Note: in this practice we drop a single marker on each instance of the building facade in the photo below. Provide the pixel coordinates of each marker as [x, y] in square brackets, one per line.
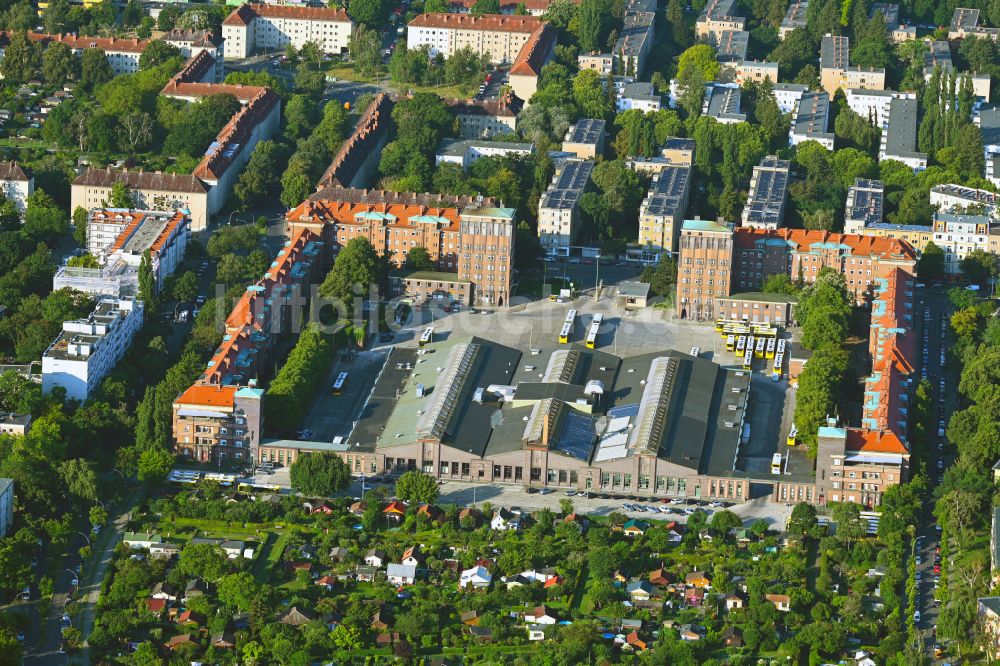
[88, 349]
[661, 214]
[704, 268]
[470, 236]
[16, 184]
[270, 27]
[559, 205]
[835, 70]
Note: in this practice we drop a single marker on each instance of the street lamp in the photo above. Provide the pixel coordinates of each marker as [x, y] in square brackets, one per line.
[85, 537]
[74, 578]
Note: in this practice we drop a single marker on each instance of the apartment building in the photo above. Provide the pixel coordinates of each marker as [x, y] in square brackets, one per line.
[899, 135]
[16, 184]
[951, 198]
[732, 46]
[811, 120]
[678, 150]
[988, 121]
[857, 465]
[959, 235]
[219, 417]
[717, 17]
[757, 71]
[795, 18]
[356, 161]
[640, 95]
[466, 152]
[559, 205]
[865, 205]
[486, 118]
[12, 423]
[801, 254]
[603, 63]
[635, 41]
[787, 95]
[149, 190]
[723, 102]
[873, 105]
[88, 349]
[193, 42]
[122, 236]
[497, 36]
[704, 267]
[272, 27]
[471, 237]
[835, 70]
[661, 214]
[765, 207]
[538, 51]
[585, 139]
[965, 23]
[532, 7]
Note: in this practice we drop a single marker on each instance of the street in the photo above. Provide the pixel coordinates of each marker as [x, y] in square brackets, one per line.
[935, 331]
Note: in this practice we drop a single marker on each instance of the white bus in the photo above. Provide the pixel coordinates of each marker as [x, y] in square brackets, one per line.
[776, 463]
[340, 383]
[695, 351]
[427, 336]
[595, 323]
[567, 328]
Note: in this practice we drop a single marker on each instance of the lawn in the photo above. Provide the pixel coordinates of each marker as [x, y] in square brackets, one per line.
[269, 555]
[345, 71]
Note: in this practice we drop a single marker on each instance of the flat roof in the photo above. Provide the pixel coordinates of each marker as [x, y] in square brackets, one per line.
[733, 45]
[724, 102]
[385, 396]
[634, 289]
[768, 189]
[901, 128]
[938, 54]
[568, 186]
[989, 124]
[834, 52]
[865, 201]
[585, 130]
[706, 225]
[428, 276]
[667, 192]
[459, 147]
[812, 115]
[963, 18]
[640, 90]
[889, 11]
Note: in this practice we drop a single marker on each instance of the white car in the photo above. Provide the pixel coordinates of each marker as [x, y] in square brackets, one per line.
[916, 616]
[689, 511]
[715, 503]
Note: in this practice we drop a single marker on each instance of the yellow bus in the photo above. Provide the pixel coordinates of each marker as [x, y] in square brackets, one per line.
[765, 330]
[595, 324]
[731, 343]
[770, 347]
[720, 324]
[567, 328]
[427, 336]
[776, 463]
[779, 360]
[741, 344]
[758, 350]
[792, 435]
[748, 359]
[340, 383]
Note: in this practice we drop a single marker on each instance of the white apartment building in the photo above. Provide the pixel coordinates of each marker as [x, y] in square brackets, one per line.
[498, 36]
[15, 184]
[899, 135]
[988, 121]
[811, 120]
[640, 95]
[558, 207]
[122, 236]
[12, 423]
[951, 198]
[787, 95]
[88, 349]
[874, 104]
[466, 152]
[272, 27]
[959, 235]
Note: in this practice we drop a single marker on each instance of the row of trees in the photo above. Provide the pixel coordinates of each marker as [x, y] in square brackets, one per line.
[823, 310]
[465, 67]
[302, 375]
[311, 157]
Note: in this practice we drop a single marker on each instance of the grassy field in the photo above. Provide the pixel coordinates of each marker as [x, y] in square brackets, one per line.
[345, 71]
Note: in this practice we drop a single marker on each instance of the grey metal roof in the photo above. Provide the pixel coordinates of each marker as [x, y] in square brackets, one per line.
[901, 128]
[724, 102]
[834, 51]
[733, 45]
[963, 18]
[639, 90]
[938, 54]
[795, 17]
[385, 395]
[989, 124]
[812, 116]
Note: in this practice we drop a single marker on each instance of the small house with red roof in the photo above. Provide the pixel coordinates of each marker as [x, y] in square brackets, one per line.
[395, 511]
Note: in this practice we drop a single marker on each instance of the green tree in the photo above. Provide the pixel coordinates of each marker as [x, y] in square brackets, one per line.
[803, 522]
[80, 478]
[701, 58]
[370, 13]
[147, 280]
[414, 486]
[365, 47]
[419, 259]
[723, 521]
[930, 265]
[237, 591]
[157, 53]
[357, 267]
[486, 7]
[319, 474]
[203, 560]
[21, 59]
[94, 69]
[978, 266]
[779, 283]
[59, 64]
[593, 24]
[662, 278]
[186, 287]
[120, 196]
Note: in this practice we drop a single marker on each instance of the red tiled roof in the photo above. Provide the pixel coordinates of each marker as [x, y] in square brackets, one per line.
[395, 506]
[245, 14]
[233, 138]
[746, 237]
[491, 22]
[207, 396]
[874, 441]
[535, 53]
[374, 123]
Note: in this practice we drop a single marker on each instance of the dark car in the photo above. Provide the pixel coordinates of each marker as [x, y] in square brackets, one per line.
[531, 491]
[385, 336]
